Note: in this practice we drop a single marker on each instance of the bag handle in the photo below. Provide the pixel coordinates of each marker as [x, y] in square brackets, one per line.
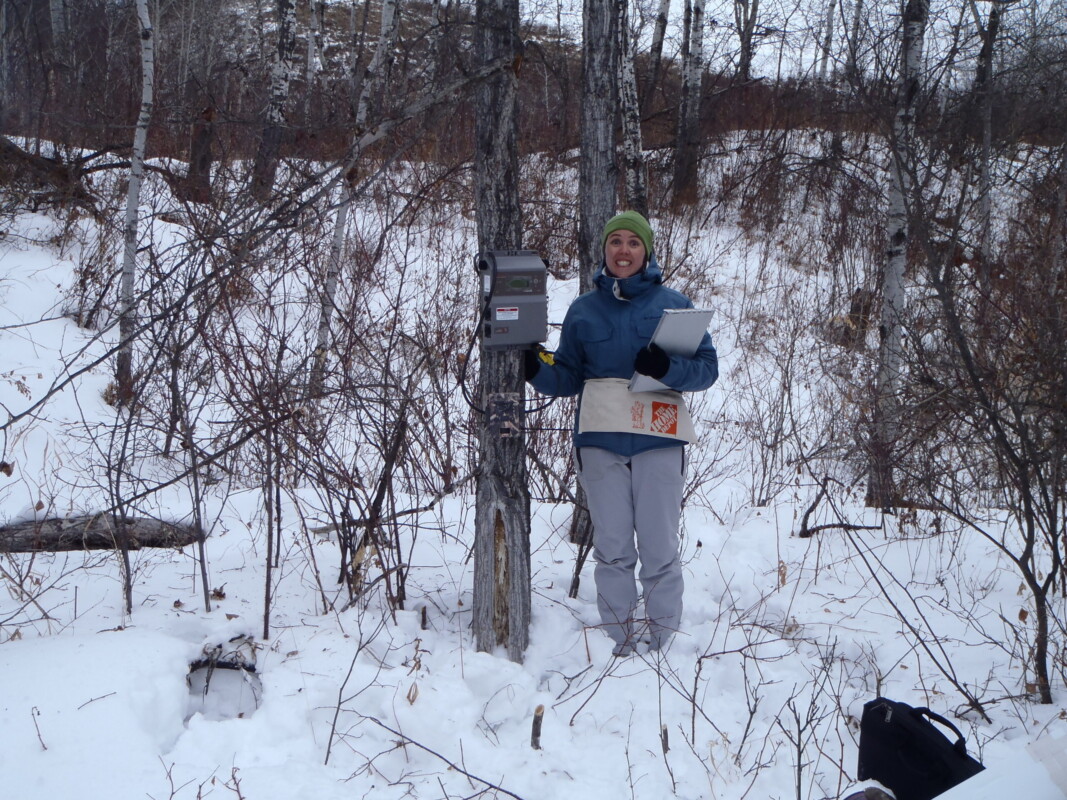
[960, 744]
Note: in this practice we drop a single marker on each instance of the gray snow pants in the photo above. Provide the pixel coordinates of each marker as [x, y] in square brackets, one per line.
[641, 494]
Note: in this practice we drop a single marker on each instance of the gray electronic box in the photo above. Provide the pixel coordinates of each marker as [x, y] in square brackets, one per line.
[514, 284]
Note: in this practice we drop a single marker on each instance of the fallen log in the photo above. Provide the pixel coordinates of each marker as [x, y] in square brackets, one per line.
[66, 179]
[93, 533]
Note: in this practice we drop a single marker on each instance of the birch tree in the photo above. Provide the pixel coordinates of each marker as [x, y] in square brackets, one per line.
[687, 142]
[266, 164]
[983, 94]
[597, 170]
[370, 87]
[317, 13]
[502, 519]
[633, 161]
[827, 40]
[57, 12]
[127, 307]
[881, 491]
[852, 57]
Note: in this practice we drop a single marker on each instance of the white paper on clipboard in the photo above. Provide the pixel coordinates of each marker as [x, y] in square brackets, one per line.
[679, 333]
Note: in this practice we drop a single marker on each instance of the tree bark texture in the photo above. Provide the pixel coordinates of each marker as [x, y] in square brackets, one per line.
[127, 307]
[597, 170]
[746, 12]
[881, 491]
[659, 32]
[93, 533]
[196, 188]
[851, 71]
[983, 93]
[686, 178]
[316, 12]
[633, 160]
[502, 519]
[57, 10]
[827, 40]
[266, 164]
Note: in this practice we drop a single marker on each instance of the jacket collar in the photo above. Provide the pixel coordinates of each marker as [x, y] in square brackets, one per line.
[626, 289]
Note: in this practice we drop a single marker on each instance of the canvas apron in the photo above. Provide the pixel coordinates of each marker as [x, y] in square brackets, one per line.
[608, 406]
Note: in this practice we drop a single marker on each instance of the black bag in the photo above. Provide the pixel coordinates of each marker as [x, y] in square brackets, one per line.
[902, 750]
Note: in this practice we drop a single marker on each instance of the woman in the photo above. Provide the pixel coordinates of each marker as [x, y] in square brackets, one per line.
[629, 447]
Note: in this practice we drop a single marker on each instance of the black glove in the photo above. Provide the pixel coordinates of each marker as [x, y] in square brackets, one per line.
[532, 360]
[530, 364]
[652, 361]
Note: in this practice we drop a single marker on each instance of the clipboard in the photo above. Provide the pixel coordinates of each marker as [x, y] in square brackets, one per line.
[679, 333]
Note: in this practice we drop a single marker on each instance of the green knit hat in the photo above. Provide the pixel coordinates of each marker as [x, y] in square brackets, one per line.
[633, 222]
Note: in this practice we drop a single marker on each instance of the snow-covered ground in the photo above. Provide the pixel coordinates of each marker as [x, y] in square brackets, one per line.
[783, 639]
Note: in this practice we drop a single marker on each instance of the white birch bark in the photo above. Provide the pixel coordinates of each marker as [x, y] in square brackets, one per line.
[317, 12]
[854, 42]
[370, 87]
[827, 40]
[57, 11]
[127, 307]
[378, 67]
[687, 144]
[633, 160]
[501, 613]
[880, 490]
[597, 170]
[282, 71]
[983, 92]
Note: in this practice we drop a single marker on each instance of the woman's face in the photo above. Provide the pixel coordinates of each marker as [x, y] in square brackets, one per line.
[624, 253]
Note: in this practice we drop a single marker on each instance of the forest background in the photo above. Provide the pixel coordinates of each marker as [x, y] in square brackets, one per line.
[262, 220]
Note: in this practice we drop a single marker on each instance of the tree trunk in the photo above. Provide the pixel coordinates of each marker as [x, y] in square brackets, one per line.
[57, 10]
[317, 12]
[851, 72]
[633, 159]
[1056, 237]
[827, 40]
[127, 308]
[881, 489]
[983, 93]
[266, 163]
[597, 171]
[196, 188]
[93, 533]
[655, 54]
[746, 12]
[370, 87]
[687, 144]
[502, 519]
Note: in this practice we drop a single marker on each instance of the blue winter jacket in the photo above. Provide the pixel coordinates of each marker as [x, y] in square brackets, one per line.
[602, 332]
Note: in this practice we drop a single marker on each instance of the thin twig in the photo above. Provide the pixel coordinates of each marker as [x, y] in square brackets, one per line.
[408, 740]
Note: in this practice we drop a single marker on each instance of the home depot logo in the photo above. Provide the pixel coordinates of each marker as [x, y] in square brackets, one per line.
[665, 418]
